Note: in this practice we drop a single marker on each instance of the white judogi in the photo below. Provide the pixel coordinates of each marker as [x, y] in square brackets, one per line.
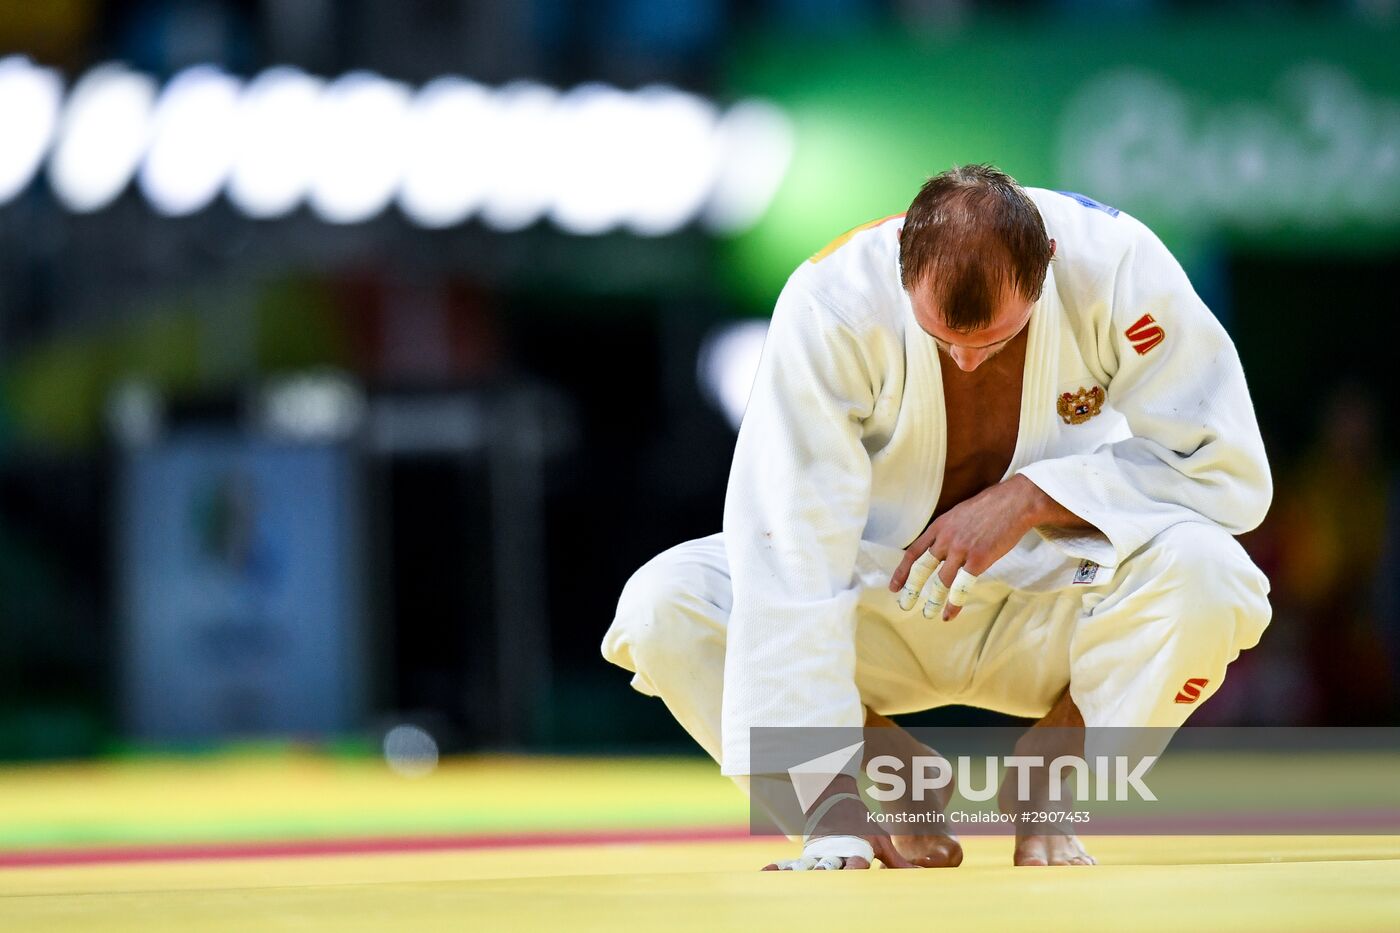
[839, 466]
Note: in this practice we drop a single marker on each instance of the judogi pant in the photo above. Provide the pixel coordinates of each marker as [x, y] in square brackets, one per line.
[1145, 649]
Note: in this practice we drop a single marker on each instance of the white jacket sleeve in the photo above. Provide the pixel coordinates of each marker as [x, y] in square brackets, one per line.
[1196, 454]
[798, 497]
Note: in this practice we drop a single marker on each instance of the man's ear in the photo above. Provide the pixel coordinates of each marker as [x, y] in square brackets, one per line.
[1052, 248]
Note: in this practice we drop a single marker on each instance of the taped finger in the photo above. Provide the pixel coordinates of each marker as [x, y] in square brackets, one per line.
[937, 595]
[923, 568]
[798, 864]
[962, 586]
[839, 847]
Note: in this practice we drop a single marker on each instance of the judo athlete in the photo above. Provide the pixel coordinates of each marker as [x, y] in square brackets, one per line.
[994, 455]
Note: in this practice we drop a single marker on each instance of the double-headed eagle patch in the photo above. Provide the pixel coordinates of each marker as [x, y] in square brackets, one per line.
[1079, 407]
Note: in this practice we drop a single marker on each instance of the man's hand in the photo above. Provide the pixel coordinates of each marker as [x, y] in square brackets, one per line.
[977, 533]
[883, 845]
[849, 813]
[846, 817]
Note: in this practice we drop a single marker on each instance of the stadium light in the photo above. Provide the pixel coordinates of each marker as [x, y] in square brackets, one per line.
[192, 141]
[593, 159]
[597, 129]
[756, 142]
[30, 97]
[524, 157]
[675, 160]
[358, 159]
[410, 751]
[727, 365]
[311, 407]
[273, 142]
[102, 137]
[452, 127]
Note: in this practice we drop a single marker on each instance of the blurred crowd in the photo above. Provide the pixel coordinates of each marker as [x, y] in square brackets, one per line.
[1331, 547]
[628, 41]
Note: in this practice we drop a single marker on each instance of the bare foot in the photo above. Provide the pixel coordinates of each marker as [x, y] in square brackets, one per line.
[1060, 732]
[1052, 849]
[930, 851]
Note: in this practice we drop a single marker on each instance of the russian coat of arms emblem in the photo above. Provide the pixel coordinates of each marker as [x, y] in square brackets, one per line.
[1079, 407]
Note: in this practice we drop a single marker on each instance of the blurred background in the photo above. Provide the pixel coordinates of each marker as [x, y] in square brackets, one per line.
[353, 354]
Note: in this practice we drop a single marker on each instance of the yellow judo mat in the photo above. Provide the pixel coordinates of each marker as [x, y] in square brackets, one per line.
[521, 844]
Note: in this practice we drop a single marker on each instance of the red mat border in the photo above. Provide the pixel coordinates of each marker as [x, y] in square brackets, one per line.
[181, 852]
[1363, 822]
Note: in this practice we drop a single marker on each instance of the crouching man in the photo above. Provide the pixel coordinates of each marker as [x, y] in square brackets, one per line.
[994, 455]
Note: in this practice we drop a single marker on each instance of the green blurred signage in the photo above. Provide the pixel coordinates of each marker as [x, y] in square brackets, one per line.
[1283, 135]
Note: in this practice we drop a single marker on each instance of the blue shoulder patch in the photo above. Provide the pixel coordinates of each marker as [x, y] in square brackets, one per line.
[1090, 202]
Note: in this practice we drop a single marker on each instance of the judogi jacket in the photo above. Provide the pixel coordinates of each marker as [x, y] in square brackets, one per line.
[1134, 415]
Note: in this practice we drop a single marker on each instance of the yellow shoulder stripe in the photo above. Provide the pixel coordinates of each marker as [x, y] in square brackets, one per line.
[841, 241]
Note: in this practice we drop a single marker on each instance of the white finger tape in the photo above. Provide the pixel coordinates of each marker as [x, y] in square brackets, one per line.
[962, 585]
[938, 592]
[923, 568]
[842, 847]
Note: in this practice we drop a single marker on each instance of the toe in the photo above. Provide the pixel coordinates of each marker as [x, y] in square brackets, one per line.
[855, 863]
